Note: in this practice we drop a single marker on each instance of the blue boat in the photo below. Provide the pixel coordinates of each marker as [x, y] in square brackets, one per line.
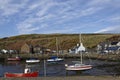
[54, 59]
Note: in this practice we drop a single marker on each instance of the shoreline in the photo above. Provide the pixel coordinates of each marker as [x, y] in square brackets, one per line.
[108, 57]
[67, 78]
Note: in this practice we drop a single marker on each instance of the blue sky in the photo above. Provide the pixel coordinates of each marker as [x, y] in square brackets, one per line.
[58, 16]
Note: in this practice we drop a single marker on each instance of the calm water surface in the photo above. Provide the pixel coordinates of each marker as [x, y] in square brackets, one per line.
[99, 68]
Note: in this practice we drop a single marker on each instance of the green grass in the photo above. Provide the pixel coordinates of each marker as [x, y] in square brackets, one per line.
[65, 41]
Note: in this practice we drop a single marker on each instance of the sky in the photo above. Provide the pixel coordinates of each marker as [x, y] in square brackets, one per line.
[19, 17]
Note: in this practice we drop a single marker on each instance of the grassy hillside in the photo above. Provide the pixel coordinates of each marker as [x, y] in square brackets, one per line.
[65, 41]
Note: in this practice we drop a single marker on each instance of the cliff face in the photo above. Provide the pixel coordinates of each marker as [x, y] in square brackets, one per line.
[65, 41]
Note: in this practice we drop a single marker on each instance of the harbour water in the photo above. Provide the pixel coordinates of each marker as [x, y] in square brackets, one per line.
[58, 69]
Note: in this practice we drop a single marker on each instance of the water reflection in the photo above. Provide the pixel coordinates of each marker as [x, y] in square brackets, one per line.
[12, 63]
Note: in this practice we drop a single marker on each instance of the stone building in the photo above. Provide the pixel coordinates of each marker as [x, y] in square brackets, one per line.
[26, 48]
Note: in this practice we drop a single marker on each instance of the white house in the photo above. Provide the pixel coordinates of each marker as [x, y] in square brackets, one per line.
[110, 47]
[4, 51]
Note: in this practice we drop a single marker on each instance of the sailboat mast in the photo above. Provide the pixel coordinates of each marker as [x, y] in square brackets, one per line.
[80, 51]
[44, 68]
[57, 46]
[80, 38]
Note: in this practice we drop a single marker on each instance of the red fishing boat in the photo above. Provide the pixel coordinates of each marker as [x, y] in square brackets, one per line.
[14, 58]
[30, 74]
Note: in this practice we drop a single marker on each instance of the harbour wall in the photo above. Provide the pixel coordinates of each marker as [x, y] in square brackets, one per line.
[109, 57]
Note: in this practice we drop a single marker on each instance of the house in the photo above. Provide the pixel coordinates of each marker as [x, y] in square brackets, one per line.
[26, 48]
[114, 44]
[47, 51]
[38, 49]
[4, 51]
[74, 49]
[77, 49]
[113, 47]
[110, 47]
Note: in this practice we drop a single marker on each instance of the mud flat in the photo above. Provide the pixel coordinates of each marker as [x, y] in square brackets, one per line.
[68, 78]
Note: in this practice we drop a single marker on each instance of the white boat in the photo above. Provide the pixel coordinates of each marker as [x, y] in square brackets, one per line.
[79, 66]
[32, 60]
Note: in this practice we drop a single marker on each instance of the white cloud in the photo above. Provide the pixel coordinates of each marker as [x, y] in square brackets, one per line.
[27, 28]
[114, 19]
[44, 8]
[113, 29]
[9, 8]
[33, 6]
[89, 11]
[104, 3]
[41, 14]
[99, 2]
[53, 13]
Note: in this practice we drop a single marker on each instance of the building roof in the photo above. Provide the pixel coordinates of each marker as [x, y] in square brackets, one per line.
[113, 48]
[114, 43]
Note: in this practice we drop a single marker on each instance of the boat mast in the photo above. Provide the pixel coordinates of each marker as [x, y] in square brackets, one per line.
[80, 51]
[57, 46]
[44, 68]
[80, 38]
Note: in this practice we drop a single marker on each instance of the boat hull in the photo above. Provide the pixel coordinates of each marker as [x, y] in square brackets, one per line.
[32, 61]
[78, 68]
[55, 60]
[31, 74]
[13, 59]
